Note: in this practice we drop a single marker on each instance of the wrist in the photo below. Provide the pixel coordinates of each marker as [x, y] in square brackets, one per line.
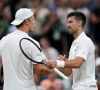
[60, 64]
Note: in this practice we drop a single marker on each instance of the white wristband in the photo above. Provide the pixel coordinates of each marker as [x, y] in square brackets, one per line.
[60, 63]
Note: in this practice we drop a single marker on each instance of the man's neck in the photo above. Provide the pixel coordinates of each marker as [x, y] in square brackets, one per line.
[23, 29]
[77, 33]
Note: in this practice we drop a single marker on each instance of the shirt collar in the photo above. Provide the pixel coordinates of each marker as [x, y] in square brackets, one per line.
[21, 32]
[79, 37]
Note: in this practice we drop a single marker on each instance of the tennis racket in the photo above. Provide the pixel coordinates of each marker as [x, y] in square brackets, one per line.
[39, 62]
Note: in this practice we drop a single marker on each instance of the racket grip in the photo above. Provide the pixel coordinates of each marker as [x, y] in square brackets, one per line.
[60, 74]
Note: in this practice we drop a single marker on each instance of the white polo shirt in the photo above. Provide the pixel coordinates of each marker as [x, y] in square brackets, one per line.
[18, 70]
[83, 47]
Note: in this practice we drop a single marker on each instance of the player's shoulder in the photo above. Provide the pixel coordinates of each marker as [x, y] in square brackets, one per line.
[4, 40]
[35, 41]
[8, 35]
[87, 40]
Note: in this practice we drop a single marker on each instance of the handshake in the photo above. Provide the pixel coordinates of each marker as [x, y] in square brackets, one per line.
[60, 62]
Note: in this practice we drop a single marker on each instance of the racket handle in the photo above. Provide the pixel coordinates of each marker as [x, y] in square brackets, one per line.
[60, 74]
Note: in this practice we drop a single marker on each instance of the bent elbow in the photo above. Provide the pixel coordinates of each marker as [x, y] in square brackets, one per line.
[68, 74]
[78, 65]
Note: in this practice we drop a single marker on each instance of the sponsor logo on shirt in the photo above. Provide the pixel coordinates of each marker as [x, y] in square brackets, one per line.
[93, 86]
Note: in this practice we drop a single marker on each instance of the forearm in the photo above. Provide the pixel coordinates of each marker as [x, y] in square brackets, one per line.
[66, 71]
[69, 63]
[72, 64]
[45, 71]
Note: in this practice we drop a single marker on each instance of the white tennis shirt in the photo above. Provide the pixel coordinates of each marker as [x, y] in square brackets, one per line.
[83, 47]
[18, 70]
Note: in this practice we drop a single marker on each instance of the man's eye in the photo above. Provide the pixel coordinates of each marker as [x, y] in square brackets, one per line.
[70, 21]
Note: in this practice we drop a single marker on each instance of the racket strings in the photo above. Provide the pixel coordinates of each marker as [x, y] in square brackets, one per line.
[27, 56]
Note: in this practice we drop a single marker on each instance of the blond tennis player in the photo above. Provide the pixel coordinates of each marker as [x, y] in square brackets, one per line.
[18, 70]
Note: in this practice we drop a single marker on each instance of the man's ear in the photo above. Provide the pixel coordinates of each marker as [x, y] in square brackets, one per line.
[80, 23]
[26, 21]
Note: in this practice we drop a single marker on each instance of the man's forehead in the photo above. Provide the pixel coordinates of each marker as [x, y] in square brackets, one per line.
[71, 18]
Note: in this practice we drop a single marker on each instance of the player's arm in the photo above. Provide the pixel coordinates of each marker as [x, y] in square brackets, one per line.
[66, 71]
[81, 56]
[69, 64]
[41, 70]
[74, 63]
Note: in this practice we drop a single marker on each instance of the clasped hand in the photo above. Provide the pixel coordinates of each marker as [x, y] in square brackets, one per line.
[53, 63]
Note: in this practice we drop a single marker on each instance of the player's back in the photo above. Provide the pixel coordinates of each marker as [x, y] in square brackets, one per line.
[17, 68]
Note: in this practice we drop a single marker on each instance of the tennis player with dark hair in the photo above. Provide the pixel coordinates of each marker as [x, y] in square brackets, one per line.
[81, 61]
[18, 69]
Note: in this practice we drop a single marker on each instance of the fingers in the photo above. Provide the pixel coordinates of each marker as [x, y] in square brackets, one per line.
[61, 57]
[50, 64]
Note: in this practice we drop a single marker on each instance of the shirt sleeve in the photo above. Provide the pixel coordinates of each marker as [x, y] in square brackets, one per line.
[83, 49]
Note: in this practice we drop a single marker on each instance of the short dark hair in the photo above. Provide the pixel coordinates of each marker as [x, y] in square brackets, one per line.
[78, 16]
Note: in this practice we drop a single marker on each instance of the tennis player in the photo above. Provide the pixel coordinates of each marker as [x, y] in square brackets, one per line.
[18, 70]
[81, 61]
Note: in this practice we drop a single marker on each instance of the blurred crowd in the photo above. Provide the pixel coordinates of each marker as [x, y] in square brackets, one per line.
[50, 30]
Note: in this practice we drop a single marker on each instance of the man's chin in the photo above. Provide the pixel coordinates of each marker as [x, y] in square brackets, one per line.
[31, 30]
[70, 33]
